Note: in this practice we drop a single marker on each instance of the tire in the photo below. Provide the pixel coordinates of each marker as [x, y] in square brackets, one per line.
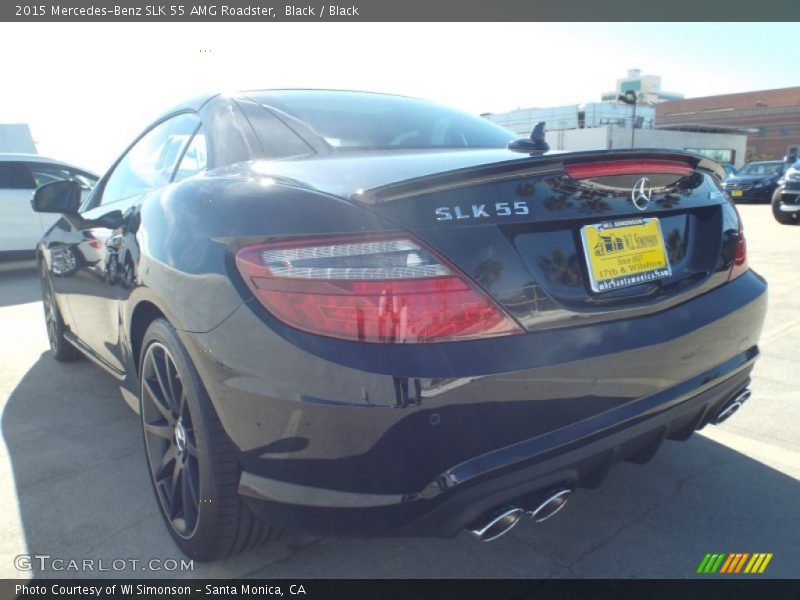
[780, 216]
[62, 350]
[200, 505]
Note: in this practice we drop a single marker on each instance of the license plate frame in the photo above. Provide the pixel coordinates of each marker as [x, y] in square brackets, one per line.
[624, 252]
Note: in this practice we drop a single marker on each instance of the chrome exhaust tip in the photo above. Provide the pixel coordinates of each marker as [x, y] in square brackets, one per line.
[550, 505]
[496, 525]
[730, 408]
[727, 411]
[743, 396]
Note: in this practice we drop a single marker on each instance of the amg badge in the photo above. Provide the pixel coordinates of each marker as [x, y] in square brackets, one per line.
[482, 211]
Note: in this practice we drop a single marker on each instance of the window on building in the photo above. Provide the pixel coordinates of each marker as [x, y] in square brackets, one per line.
[630, 86]
[784, 130]
[721, 155]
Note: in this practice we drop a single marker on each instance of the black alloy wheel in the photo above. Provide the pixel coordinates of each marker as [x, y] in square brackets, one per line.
[194, 466]
[61, 348]
[169, 440]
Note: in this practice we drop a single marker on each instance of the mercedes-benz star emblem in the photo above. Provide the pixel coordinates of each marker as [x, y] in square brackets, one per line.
[641, 193]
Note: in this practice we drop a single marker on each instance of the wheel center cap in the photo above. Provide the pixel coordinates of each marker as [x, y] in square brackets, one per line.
[180, 436]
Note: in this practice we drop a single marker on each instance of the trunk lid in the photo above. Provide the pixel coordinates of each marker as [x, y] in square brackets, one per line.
[540, 233]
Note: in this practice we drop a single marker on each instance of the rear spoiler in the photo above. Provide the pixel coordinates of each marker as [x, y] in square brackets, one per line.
[550, 162]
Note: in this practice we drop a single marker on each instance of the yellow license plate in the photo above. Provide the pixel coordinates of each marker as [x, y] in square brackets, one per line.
[736, 193]
[624, 252]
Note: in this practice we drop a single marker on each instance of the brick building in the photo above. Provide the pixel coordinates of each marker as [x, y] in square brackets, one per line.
[772, 118]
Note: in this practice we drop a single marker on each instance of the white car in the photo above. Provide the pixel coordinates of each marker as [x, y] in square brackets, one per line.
[20, 174]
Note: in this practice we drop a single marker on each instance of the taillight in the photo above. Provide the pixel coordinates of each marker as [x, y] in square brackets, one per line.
[740, 253]
[590, 170]
[386, 290]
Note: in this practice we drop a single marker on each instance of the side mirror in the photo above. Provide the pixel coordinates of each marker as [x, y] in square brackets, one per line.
[110, 220]
[58, 197]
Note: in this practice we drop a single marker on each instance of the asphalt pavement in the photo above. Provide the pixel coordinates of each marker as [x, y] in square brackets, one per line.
[74, 485]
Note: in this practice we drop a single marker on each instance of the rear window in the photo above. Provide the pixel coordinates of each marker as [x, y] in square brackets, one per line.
[277, 139]
[14, 176]
[363, 121]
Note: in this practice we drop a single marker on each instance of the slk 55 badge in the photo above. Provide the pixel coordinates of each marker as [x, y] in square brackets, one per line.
[482, 211]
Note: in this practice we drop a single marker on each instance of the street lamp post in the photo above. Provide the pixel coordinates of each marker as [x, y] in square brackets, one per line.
[629, 98]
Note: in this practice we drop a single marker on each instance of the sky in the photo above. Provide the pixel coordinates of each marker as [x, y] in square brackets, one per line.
[87, 89]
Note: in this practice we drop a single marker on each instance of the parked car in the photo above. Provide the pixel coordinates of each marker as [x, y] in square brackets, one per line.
[755, 181]
[353, 314]
[20, 174]
[786, 198]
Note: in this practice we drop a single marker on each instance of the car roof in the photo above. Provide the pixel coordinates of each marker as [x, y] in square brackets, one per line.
[195, 103]
[323, 90]
[21, 157]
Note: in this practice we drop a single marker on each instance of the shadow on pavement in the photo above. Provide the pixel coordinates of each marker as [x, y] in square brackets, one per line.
[83, 492]
[19, 287]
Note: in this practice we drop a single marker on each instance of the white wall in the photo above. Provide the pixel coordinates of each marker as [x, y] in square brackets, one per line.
[601, 138]
[680, 140]
[523, 120]
[595, 138]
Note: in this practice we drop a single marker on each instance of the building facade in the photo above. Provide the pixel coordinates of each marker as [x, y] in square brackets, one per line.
[771, 117]
[602, 126]
[647, 87]
[16, 137]
[722, 147]
[574, 116]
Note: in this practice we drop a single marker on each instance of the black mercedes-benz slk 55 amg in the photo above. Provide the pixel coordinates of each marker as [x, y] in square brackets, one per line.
[353, 314]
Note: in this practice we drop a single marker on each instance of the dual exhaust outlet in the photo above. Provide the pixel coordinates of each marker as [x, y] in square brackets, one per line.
[731, 406]
[495, 525]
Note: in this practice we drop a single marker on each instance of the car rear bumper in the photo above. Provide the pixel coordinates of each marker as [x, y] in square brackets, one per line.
[331, 445]
[519, 475]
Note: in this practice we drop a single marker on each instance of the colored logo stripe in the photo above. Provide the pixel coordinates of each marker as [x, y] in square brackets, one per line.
[703, 563]
[734, 563]
[740, 564]
[710, 563]
[727, 564]
[758, 563]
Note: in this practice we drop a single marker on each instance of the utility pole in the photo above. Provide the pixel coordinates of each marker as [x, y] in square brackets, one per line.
[629, 98]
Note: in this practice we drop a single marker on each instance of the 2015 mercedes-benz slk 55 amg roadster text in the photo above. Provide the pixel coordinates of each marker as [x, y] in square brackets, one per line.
[354, 314]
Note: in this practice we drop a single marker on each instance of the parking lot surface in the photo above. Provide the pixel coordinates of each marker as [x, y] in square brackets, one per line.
[74, 485]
